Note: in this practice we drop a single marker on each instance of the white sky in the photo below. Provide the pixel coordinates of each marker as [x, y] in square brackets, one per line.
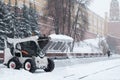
[100, 6]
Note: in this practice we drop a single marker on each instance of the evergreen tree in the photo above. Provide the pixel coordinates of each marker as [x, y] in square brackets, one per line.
[33, 19]
[4, 28]
[9, 21]
[25, 11]
[13, 25]
[25, 20]
[9, 3]
[16, 8]
[22, 25]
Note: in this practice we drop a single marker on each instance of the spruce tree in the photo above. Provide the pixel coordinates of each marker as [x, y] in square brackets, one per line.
[13, 25]
[33, 19]
[2, 28]
[25, 21]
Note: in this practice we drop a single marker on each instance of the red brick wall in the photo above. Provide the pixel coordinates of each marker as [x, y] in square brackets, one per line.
[114, 29]
[114, 34]
[46, 25]
[89, 35]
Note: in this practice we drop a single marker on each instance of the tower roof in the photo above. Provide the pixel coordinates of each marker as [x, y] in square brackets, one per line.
[114, 11]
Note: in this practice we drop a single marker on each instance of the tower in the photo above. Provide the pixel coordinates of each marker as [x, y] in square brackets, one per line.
[114, 10]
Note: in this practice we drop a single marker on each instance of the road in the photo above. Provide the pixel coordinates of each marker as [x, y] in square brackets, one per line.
[110, 73]
[73, 61]
[99, 68]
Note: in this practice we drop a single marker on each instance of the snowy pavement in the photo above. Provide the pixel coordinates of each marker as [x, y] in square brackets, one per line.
[102, 70]
[73, 61]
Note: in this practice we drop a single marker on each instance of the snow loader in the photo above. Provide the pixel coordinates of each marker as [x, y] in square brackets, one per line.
[27, 53]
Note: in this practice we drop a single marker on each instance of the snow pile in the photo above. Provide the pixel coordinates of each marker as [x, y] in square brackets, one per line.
[10, 74]
[87, 46]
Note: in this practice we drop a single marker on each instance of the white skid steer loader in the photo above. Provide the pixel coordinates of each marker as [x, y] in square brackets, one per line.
[27, 53]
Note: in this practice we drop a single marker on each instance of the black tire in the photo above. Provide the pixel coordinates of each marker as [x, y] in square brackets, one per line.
[50, 66]
[14, 63]
[30, 65]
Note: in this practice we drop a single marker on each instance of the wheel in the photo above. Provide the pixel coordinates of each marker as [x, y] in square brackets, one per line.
[30, 65]
[50, 66]
[14, 63]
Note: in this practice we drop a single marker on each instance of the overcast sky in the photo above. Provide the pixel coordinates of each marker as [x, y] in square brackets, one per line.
[101, 6]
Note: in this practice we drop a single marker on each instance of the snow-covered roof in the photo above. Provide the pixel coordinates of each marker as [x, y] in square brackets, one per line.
[32, 38]
[62, 38]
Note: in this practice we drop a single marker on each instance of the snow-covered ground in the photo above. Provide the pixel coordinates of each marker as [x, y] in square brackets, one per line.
[95, 68]
[102, 70]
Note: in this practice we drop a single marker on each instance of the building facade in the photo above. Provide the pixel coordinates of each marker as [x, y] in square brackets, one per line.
[96, 24]
[40, 4]
[114, 21]
[114, 26]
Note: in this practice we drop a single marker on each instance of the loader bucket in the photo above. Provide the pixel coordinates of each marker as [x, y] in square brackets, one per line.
[43, 41]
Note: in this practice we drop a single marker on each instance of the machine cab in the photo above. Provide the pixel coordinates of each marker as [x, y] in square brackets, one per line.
[27, 49]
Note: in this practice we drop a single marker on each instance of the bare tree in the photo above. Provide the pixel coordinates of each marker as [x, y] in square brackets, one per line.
[80, 22]
[61, 10]
[65, 20]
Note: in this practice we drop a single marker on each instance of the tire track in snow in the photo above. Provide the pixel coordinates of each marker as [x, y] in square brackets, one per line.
[69, 76]
[99, 72]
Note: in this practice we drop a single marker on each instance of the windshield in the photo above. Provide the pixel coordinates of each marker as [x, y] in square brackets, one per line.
[30, 47]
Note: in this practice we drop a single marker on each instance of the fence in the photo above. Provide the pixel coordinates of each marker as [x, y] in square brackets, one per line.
[65, 55]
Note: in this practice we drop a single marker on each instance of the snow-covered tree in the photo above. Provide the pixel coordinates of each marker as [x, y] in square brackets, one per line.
[26, 25]
[30, 20]
[16, 22]
[5, 19]
[33, 19]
